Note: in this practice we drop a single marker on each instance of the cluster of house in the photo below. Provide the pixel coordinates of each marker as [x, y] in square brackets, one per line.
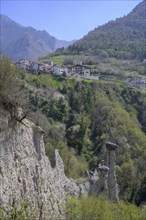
[137, 82]
[76, 69]
[34, 67]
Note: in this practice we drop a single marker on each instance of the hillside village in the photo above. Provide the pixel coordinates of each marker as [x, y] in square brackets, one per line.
[75, 70]
[73, 119]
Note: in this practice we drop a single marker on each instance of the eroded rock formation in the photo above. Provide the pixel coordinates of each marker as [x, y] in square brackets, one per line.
[26, 173]
[111, 180]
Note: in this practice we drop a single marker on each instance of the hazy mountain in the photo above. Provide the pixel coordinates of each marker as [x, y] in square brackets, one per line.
[19, 42]
[122, 38]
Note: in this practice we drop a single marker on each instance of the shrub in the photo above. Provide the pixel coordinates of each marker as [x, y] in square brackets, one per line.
[15, 213]
[94, 208]
[8, 77]
[12, 92]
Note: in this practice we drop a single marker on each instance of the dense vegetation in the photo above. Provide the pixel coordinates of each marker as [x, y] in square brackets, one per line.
[123, 38]
[77, 116]
[116, 49]
[84, 208]
[8, 75]
[12, 94]
[104, 67]
[101, 209]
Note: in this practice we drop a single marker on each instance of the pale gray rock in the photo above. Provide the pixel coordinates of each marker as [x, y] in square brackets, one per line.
[26, 174]
[25, 171]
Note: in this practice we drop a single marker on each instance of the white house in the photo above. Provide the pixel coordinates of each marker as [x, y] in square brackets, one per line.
[41, 67]
[59, 71]
[86, 72]
[34, 67]
[56, 70]
[23, 64]
[64, 70]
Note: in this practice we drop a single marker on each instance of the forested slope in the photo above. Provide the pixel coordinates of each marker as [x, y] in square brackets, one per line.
[123, 38]
[77, 116]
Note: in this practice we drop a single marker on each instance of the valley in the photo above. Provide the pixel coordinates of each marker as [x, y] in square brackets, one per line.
[73, 122]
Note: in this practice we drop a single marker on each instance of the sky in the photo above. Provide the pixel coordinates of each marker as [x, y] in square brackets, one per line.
[66, 20]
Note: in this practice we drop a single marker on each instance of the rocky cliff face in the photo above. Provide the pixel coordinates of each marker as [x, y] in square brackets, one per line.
[26, 173]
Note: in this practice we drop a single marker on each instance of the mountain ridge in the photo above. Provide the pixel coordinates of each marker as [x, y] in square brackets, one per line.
[121, 38]
[33, 43]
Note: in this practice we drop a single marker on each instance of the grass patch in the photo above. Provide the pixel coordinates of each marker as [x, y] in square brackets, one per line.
[59, 60]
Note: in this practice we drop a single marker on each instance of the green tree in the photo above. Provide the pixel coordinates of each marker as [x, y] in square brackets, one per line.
[8, 78]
